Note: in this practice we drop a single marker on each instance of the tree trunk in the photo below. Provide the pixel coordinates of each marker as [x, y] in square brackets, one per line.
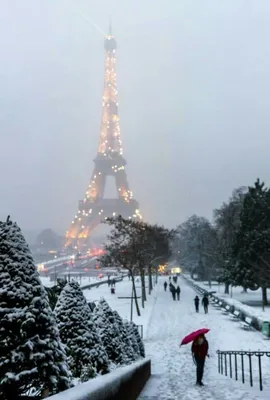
[143, 288]
[209, 277]
[227, 288]
[264, 297]
[150, 280]
[135, 296]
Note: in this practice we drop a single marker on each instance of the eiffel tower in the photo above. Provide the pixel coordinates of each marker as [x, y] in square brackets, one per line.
[109, 162]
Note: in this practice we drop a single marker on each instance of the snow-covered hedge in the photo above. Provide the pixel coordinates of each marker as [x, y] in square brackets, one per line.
[32, 355]
[123, 383]
[86, 355]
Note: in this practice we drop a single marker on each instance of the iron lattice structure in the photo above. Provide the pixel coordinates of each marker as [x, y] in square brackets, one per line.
[109, 162]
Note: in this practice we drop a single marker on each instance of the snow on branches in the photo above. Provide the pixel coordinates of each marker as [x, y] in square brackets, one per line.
[120, 338]
[86, 354]
[129, 355]
[108, 331]
[32, 356]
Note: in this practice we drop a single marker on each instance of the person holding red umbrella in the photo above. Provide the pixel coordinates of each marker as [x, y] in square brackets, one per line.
[199, 351]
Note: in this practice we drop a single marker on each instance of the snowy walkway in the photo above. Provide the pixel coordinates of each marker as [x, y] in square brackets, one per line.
[173, 371]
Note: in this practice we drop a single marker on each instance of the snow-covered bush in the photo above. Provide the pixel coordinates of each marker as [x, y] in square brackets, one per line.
[86, 354]
[108, 331]
[128, 352]
[31, 355]
[138, 339]
[132, 338]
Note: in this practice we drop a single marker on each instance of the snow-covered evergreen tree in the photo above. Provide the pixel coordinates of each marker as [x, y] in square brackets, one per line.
[227, 223]
[107, 328]
[138, 339]
[86, 353]
[132, 338]
[31, 355]
[197, 244]
[251, 247]
[129, 355]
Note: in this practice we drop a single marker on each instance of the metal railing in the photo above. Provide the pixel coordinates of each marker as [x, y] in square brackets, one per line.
[233, 363]
[256, 321]
[97, 284]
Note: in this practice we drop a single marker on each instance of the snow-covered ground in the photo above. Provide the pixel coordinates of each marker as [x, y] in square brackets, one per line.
[172, 367]
[123, 306]
[251, 300]
[165, 322]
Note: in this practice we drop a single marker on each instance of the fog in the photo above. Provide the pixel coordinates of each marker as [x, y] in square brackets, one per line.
[193, 81]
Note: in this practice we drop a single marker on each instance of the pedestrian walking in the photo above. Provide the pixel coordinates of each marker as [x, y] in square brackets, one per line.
[170, 278]
[205, 303]
[178, 291]
[109, 282]
[197, 302]
[199, 351]
[173, 291]
[165, 286]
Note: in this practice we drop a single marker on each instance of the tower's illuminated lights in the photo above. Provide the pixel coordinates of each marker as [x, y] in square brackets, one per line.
[110, 153]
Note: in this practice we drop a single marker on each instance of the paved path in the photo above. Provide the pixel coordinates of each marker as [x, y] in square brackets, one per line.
[173, 371]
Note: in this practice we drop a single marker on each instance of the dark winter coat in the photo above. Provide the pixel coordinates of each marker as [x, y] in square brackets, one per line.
[200, 351]
[205, 301]
[178, 290]
[196, 301]
[165, 284]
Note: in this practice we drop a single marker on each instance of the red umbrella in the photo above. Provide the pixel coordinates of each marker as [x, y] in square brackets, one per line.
[192, 336]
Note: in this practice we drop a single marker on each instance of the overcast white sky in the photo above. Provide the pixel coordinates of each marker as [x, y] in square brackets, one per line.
[193, 79]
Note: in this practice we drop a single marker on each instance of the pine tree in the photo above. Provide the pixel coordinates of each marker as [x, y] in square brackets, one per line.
[139, 339]
[129, 355]
[86, 354]
[32, 356]
[227, 223]
[132, 338]
[105, 321]
[251, 248]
